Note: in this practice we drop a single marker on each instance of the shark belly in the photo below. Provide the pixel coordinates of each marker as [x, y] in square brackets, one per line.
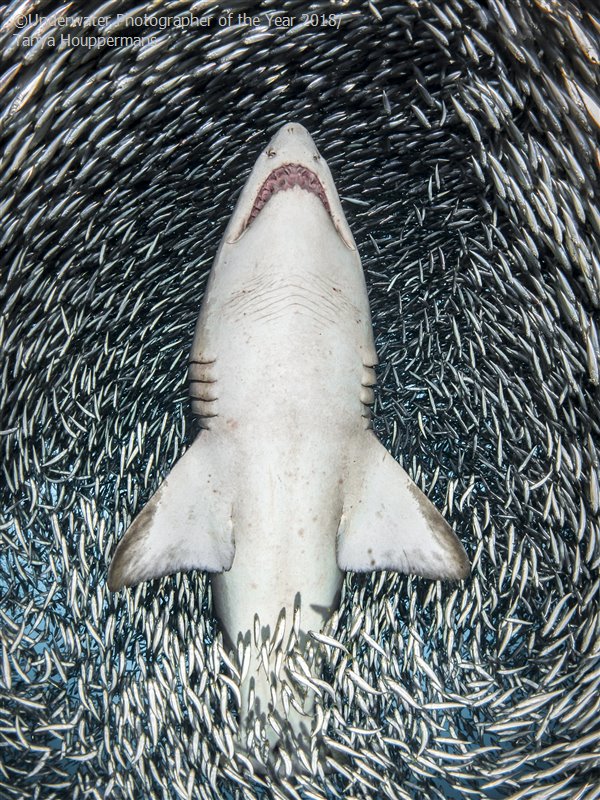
[285, 547]
[288, 389]
[288, 344]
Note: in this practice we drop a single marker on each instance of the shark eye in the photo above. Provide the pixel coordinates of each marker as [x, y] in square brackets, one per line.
[271, 153]
[316, 157]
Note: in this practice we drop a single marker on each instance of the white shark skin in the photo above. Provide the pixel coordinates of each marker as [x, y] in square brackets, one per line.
[287, 487]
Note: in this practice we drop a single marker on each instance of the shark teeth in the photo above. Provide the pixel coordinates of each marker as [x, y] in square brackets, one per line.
[284, 178]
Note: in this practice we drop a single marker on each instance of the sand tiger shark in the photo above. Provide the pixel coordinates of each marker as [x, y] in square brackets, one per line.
[287, 486]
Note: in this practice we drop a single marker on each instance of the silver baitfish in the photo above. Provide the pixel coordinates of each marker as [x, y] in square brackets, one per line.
[464, 140]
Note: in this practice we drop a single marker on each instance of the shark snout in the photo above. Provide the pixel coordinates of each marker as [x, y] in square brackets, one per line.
[293, 143]
[290, 160]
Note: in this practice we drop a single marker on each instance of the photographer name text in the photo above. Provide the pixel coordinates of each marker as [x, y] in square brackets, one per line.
[102, 31]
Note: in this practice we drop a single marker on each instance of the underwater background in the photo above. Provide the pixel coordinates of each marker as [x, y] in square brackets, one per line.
[463, 138]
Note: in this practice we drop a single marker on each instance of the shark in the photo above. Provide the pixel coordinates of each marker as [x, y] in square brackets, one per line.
[286, 487]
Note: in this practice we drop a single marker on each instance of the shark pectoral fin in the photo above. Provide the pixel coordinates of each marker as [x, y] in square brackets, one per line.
[185, 525]
[388, 523]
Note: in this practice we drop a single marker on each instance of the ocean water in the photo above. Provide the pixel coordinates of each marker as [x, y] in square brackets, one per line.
[462, 139]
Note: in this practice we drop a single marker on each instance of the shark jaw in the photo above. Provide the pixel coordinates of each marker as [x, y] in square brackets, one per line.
[290, 161]
[284, 178]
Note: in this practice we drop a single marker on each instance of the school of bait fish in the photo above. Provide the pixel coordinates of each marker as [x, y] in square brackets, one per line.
[463, 137]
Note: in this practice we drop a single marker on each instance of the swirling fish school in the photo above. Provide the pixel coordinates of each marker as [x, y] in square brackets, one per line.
[463, 136]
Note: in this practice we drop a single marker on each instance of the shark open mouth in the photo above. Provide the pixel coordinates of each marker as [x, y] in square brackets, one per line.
[286, 177]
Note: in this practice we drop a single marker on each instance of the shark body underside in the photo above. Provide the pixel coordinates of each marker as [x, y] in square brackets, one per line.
[287, 487]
